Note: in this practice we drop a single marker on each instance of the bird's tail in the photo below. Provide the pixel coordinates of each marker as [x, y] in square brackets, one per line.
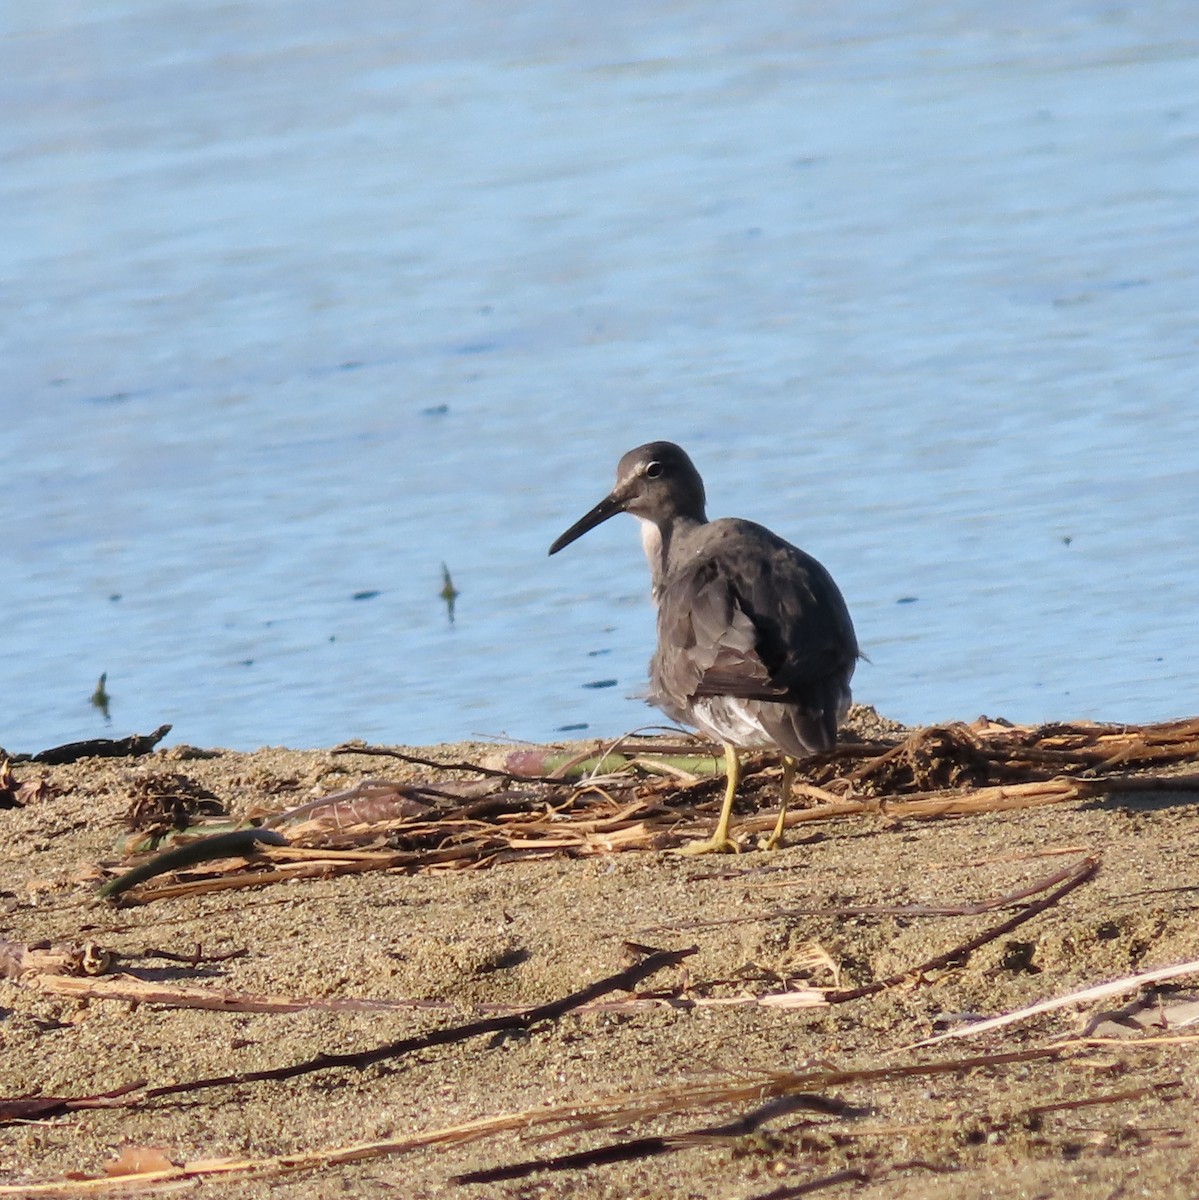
[809, 726]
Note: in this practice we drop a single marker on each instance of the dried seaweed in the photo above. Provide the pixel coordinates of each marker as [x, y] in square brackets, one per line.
[164, 800]
[989, 753]
[647, 801]
[17, 795]
[244, 843]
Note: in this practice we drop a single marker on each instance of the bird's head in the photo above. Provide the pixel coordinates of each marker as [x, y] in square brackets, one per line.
[656, 482]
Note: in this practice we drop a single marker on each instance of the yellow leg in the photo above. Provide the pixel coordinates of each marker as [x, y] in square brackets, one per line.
[720, 842]
[775, 839]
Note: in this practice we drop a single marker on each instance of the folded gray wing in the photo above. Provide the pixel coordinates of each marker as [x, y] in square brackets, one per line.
[758, 620]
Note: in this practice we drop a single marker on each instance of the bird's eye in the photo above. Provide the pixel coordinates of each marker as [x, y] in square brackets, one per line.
[653, 470]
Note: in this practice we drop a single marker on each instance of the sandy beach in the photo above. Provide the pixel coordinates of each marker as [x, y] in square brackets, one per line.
[737, 1026]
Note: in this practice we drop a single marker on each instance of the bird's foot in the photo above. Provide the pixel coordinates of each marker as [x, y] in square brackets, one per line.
[774, 839]
[717, 844]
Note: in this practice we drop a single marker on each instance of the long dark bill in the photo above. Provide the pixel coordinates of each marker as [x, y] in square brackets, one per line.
[609, 506]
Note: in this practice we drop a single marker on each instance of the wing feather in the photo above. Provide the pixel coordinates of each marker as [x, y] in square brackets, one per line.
[753, 617]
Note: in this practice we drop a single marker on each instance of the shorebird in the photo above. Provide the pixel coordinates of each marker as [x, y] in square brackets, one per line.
[755, 644]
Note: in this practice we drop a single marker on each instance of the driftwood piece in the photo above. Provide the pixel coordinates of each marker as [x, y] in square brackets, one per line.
[132, 746]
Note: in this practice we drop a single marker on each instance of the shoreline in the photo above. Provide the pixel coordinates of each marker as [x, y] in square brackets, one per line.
[843, 948]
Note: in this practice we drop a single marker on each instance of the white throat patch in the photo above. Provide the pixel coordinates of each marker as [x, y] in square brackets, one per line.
[651, 543]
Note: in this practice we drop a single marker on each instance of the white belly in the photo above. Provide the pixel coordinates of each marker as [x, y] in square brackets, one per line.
[728, 719]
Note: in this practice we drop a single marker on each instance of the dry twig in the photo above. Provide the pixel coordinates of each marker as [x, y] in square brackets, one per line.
[360, 1059]
[571, 1118]
[1102, 991]
[1074, 877]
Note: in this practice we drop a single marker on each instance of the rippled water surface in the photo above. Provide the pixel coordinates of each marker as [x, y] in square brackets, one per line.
[298, 302]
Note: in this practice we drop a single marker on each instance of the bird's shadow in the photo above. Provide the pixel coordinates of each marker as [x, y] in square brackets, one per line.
[1146, 801]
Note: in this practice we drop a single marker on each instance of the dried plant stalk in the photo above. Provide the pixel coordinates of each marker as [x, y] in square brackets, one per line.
[1102, 991]
[981, 768]
[575, 1117]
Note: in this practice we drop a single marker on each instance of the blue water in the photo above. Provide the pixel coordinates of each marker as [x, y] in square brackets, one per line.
[300, 301]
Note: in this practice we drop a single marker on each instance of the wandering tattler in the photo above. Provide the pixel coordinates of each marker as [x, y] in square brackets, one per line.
[755, 644]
